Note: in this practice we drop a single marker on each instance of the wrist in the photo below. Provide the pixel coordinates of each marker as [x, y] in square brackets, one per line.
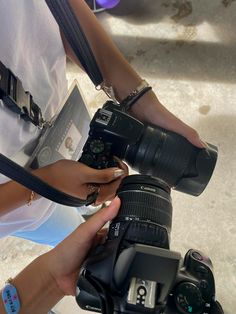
[48, 263]
[37, 288]
[47, 174]
[14, 195]
[145, 109]
[127, 103]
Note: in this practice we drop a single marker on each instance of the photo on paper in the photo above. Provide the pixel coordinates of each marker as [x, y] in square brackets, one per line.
[70, 142]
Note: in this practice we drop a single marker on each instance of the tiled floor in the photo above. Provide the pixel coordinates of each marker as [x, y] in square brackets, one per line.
[188, 54]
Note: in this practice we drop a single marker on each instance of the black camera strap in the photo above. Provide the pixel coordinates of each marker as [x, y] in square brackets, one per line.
[17, 99]
[76, 38]
[17, 173]
[21, 102]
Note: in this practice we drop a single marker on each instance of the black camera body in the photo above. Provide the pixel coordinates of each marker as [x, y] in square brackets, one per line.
[134, 271]
[111, 132]
[192, 291]
[147, 149]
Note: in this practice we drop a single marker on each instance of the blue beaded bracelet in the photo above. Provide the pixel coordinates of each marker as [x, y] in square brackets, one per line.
[10, 299]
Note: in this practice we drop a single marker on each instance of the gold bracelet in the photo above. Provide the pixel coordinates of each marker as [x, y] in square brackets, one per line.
[32, 195]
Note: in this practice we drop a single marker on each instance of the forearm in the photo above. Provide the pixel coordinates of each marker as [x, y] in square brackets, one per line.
[115, 69]
[118, 73]
[14, 195]
[37, 289]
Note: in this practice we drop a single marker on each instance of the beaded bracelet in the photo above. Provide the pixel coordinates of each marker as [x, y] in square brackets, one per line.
[10, 298]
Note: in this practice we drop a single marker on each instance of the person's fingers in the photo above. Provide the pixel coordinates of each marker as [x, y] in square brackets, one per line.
[162, 117]
[107, 191]
[82, 237]
[170, 122]
[190, 134]
[89, 229]
[102, 176]
[100, 237]
[122, 165]
[66, 258]
[183, 129]
[102, 232]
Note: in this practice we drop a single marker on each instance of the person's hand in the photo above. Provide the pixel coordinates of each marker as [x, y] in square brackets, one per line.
[149, 109]
[79, 180]
[65, 260]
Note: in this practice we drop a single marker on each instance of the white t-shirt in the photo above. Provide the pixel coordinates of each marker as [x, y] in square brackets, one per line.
[32, 48]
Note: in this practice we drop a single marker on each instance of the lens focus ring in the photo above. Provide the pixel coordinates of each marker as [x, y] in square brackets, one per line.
[146, 206]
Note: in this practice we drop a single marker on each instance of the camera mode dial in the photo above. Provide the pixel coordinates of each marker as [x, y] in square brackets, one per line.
[188, 298]
[97, 146]
[97, 154]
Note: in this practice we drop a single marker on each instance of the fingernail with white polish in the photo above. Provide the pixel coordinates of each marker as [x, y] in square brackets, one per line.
[118, 173]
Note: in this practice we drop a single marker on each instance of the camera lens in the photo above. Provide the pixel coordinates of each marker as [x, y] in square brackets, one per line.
[173, 159]
[146, 207]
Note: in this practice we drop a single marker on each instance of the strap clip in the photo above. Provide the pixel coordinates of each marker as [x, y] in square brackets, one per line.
[17, 99]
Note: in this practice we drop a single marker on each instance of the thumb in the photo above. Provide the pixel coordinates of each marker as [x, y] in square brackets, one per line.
[85, 233]
[90, 228]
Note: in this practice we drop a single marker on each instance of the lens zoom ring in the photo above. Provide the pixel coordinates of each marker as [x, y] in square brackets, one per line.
[146, 206]
[147, 233]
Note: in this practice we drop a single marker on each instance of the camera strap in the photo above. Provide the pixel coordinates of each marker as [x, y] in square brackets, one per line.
[17, 99]
[17, 173]
[76, 38]
[21, 102]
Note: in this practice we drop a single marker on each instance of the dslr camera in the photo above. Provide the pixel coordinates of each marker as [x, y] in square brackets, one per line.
[135, 271]
[148, 150]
